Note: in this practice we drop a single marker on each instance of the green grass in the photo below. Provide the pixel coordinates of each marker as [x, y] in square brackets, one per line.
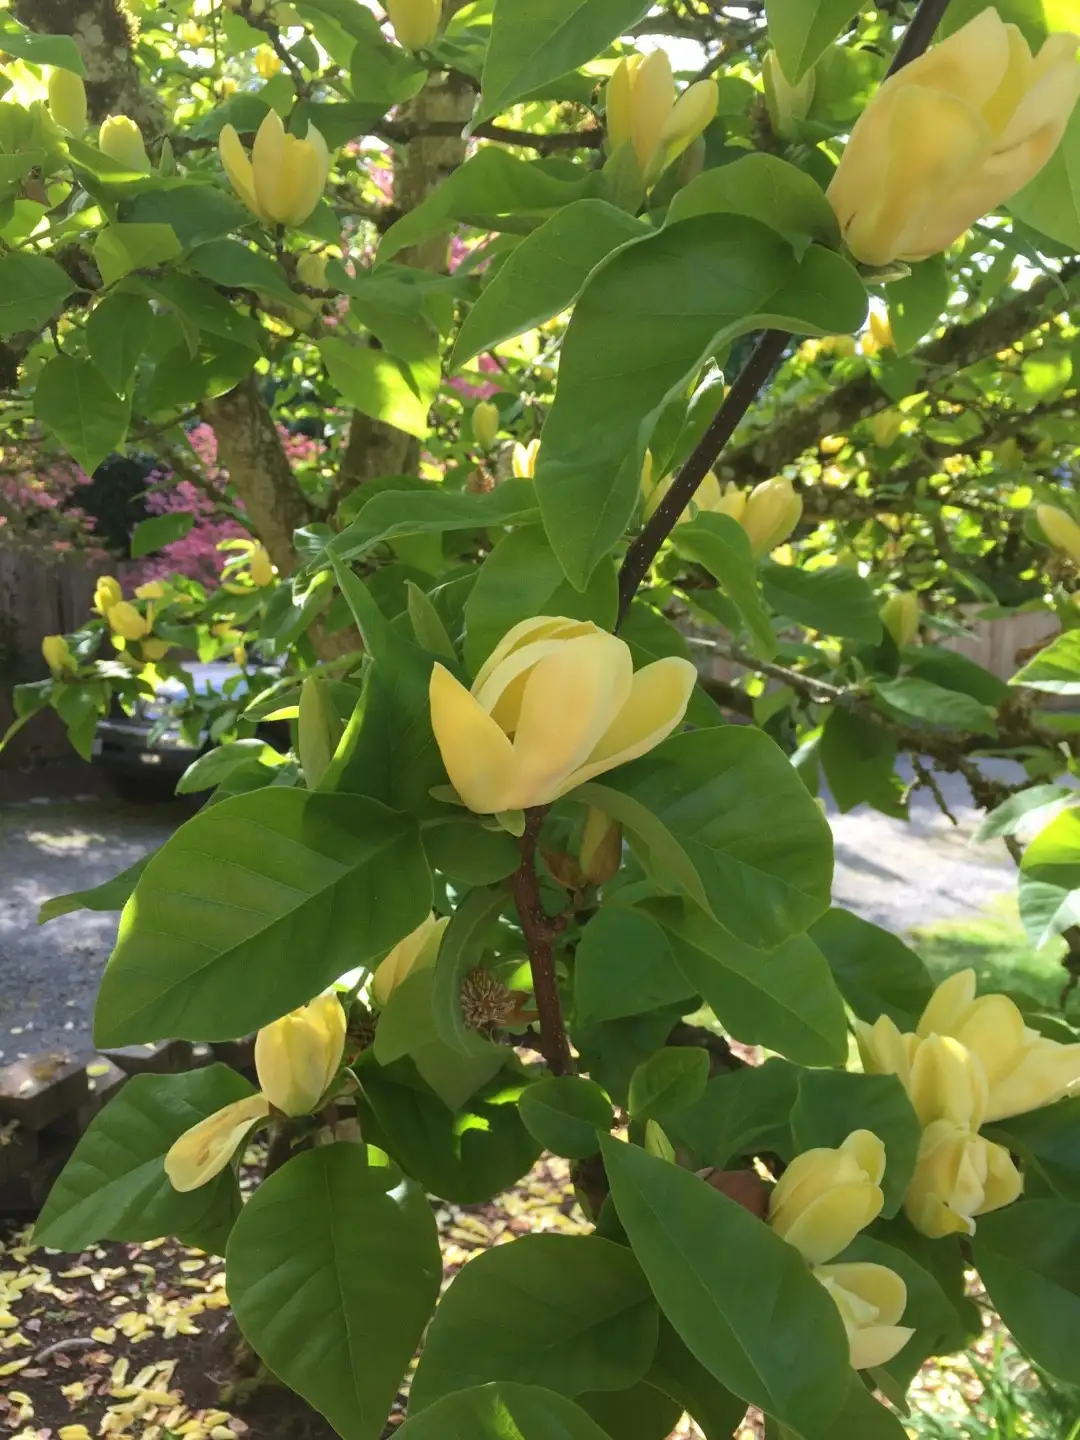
[997, 949]
[992, 1393]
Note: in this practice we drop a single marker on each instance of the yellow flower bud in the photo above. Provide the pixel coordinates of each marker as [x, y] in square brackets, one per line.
[600, 852]
[788, 105]
[884, 1050]
[262, 567]
[203, 1151]
[282, 181]
[297, 1056]
[773, 510]
[121, 140]
[485, 424]
[842, 345]
[832, 444]
[878, 337]
[886, 427]
[900, 616]
[155, 649]
[152, 590]
[1060, 529]
[107, 594]
[191, 33]
[418, 951]
[958, 1176]
[67, 101]
[415, 22]
[825, 1197]
[555, 704]
[267, 64]
[950, 137]
[57, 654]
[311, 269]
[523, 462]
[642, 111]
[947, 1083]
[125, 620]
[871, 1299]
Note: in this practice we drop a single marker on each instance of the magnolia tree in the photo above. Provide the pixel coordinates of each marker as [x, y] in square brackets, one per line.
[520, 879]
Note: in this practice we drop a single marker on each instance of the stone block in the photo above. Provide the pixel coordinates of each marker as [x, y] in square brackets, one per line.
[42, 1089]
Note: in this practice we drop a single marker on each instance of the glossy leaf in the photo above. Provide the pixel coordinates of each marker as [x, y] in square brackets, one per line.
[76, 406]
[624, 966]
[722, 546]
[110, 895]
[744, 1112]
[917, 301]
[433, 511]
[160, 530]
[669, 1080]
[766, 188]
[877, 974]
[923, 703]
[1049, 1142]
[502, 1412]
[565, 1113]
[32, 288]
[835, 600]
[1056, 668]
[801, 30]
[380, 385]
[858, 757]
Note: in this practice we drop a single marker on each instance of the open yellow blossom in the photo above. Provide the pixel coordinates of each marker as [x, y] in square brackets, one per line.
[958, 1175]
[282, 181]
[107, 594]
[57, 654]
[871, 1299]
[642, 111]
[418, 951]
[950, 137]
[125, 620]
[555, 704]
[523, 460]
[825, 1197]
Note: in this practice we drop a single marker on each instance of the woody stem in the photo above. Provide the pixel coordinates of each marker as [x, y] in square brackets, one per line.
[536, 927]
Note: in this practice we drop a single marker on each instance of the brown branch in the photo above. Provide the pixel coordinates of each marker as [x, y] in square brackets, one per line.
[589, 139]
[539, 935]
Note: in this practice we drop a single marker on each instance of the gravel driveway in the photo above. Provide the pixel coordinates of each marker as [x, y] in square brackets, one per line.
[895, 874]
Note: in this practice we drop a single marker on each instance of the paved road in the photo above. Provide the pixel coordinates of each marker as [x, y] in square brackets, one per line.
[893, 873]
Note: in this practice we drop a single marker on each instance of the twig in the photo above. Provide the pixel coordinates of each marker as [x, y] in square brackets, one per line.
[589, 139]
[537, 929]
[77, 1342]
[806, 685]
[927, 780]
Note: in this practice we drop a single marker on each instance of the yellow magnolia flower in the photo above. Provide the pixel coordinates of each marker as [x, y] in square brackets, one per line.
[415, 22]
[710, 496]
[152, 590]
[67, 101]
[950, 137]
[297, 1056]
[523, 461]
[772, 511]
[203, 1151]
[125, 620]
[885, 1050]
[1024, 1070]
[485, 424]
[155, 649]
[57, 654]
[311, 269]
[958, 1175]
[900, 616]
[555, 704]
[600, 851]
[283, 180]
[107, 594]
[262, 567]
[267, 64]
[121, 140]
[871, 1299]
[1060, 529]
[825, 1197]
[878, 337]
[947, 1083]
[642, 111]
[417, 951]
[788, 105]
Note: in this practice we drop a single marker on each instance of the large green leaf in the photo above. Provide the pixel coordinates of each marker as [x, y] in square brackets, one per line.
[858, 756]
[434, 510]
[121, 248]
[76, 406]
[407, 1027]
[917, 301]
[624, 966]
[118, 331]
[862, 1416]
[762, 848]
[767, 189]
[544, 275]
[333, 1270]
[802, 30]
[743, 1300]
[58, 50]
[660, 853]
[644, 1412]
[109, 895]
[1049, 1142]
[921, 702]
[833, 1103]
[1056, 669]
[677, 1373]
[493, 190]
[876, 972]
[1051, 202]
[1028, 1257]
[1053, 856]
[835, 599]
[566, 1113]
[691, 288]
[530, 46]
[380, 385]
[784, 999]
[668, 1080]
[722, 546]
[502, 1412]
[114, 1187]
[253, 907]
[571, 1313]
[742, 1113]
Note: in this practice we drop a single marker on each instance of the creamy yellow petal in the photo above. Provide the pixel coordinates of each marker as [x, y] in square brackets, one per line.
[268, 165]
[527, 632]
[829, 1225]
[502, 693]
[869, 1151]
[659, 695]
[479, 759]
[1045, 1072]
[418, 951]
[203, 1151]
[884, 1050]
[999, 108]
[947, 1008]
[653, 98]
[618, 103]
[1004, 1182]
[877, 1345]
[875, 1285]
[237, 166]
[993, 1031]
[970, 64]
[947, 1083]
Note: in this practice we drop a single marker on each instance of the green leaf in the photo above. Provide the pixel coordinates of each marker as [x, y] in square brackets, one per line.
[431, 634]
[466, 852]
[237, 266]
[721, 544]
[677, 1373]
[858, 757]
[862, 1416]
[1055, 669]
[1049, 1142]
[744, 1302]
[58, 50]
[461, 949]
[765, 188]
[917, 302]
[522, 577]
[719, 793]
[383, 75]
[784, 999]
[1043, 802]
[76, 406]
[802, 30]
[114, 1187]
[529, 48]
[381, 386]
[196, 210]
[612, 1050]
[651, 636]
[207, 944]
[669, 1080]
[159, 531]
[876, 972]
[565, 1113]
[624, 966]
[1047, 909]
[118, 332]
[692, 288]
[741, 1113]
[571, 1313]
[1028, 1257]
[925, 703]
[333, 1270]
[956, 672]
[833, 1103]
[110, 895]
[1051, 202]
[643, 1412]
[502, 1412]
[219, 763]
[493, 190]
[32, 289]
[1054, 855]
[434, 511]
[121, 248]
[407, 1027]
[835, 599]
[545, 273]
